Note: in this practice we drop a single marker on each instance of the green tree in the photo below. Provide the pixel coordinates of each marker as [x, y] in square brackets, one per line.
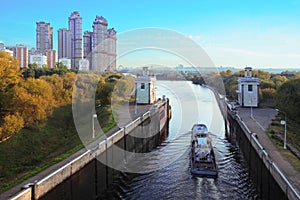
[288, 98]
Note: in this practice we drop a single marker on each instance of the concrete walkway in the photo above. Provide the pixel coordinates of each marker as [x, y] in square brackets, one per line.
[262, 118]
[125, 113]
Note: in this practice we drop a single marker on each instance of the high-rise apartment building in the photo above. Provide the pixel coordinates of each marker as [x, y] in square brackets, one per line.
[100, 46]
[88, 46]
[87, 43]
[111, 49]
[75, 26]
[44, 36]
[64, 43]
[99, 36]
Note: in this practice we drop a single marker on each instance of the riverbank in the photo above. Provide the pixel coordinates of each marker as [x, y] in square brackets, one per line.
[33, 150]
[260, 124]
[261, 121]
[71, 155]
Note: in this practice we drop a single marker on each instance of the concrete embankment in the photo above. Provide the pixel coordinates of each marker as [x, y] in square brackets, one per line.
[140, 135]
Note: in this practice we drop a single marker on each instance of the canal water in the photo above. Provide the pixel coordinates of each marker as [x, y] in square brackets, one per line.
[190, 104]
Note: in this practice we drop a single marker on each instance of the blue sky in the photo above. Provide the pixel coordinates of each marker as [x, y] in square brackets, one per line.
[233, 33]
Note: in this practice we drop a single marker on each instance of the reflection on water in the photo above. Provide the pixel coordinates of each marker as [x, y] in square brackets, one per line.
[190, 104]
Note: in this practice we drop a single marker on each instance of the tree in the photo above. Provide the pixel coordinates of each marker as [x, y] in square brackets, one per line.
[10, 76]
[13, 123]
[288, 98]
[33, 100]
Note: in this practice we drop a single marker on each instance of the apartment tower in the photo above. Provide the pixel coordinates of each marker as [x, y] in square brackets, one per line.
[44, 36]
[64, 43]
[75, 26]
[88, 47]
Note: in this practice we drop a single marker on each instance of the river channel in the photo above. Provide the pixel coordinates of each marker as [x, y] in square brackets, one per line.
[190, 104]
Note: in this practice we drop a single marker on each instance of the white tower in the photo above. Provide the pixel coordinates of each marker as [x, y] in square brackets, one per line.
[145, 88]
[248, 88]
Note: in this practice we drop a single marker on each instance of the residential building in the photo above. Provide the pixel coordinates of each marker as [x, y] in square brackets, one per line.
[51, 58]
[88, 47]
[66, 62]
[111, 49]
[6, 49]
[64, 43]
[100, 46]
[75, 26]
[44, 36]
[38, 59]
[21, 53]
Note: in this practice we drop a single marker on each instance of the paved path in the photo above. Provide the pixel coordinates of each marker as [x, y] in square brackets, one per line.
[125, 113]
[262, 118]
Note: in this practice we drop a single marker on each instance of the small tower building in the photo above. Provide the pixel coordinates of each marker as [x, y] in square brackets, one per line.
[248, 88]
[145, 85]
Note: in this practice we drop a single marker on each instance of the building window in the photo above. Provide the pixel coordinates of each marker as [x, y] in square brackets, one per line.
[142, 86]
[250, 88]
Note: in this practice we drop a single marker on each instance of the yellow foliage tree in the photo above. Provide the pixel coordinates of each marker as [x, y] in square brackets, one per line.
[12, 124]
[57, 86]
[10, 75]
[33, 100]
[68, 85]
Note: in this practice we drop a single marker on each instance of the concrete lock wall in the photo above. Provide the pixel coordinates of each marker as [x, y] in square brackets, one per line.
[269, 181]
[23, 195]
[141, 135]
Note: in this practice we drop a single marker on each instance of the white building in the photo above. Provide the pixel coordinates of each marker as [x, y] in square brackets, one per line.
[145, 88]
[66, 62]
[38, 59]
[248, 88]
[84, 64]
[3, 48]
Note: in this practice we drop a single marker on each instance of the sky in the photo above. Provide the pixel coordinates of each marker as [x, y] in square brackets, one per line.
[262, 34]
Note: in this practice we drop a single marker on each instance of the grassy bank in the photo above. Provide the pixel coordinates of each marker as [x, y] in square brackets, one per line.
[33, 150]
[276, 132]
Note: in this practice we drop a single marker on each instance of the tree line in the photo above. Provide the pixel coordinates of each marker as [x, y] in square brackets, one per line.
[276, 90]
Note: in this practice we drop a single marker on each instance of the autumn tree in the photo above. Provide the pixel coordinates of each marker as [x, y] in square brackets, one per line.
[33, 100]
[12, 124]
[10, 76]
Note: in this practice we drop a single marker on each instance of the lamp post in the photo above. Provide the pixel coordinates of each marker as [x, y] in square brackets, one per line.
[93, 124]
[251, 111]
[283, 122]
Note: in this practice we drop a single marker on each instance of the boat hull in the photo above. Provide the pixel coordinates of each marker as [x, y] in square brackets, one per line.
[203, 163]
[204, 168]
